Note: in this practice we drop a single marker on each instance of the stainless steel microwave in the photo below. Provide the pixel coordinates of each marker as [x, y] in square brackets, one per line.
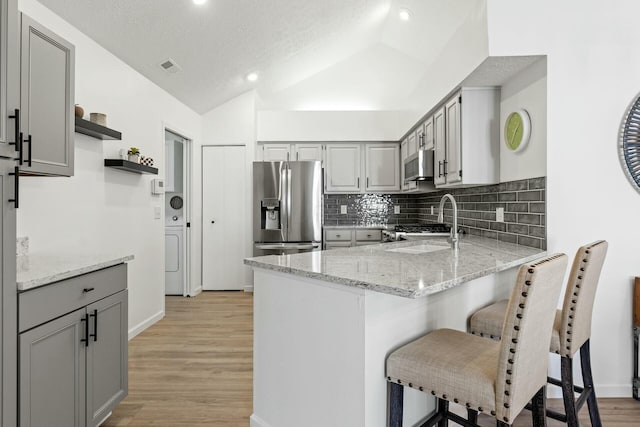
[419, 166]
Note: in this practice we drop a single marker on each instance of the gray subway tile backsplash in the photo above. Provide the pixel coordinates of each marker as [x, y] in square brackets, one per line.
[523, 201]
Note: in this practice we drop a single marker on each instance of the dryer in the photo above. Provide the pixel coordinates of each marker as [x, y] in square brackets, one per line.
[173, 256]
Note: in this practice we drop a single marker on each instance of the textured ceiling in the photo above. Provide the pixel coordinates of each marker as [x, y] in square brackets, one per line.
[286, 41]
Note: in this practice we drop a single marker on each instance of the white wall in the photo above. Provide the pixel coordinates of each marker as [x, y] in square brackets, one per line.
[332, 125]
[592, 77]
[101, 209]
[527, 90]
[233, 123]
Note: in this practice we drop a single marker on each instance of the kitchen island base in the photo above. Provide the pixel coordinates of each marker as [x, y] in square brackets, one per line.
[320, 348]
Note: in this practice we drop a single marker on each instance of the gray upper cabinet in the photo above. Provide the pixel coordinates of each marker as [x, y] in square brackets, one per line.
[106, 356]
[46, 100]
[52, 373]
[9, 77]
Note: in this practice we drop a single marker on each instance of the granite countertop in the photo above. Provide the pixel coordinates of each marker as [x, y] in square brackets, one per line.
[366, 227]
[411, 269]
[39, 269]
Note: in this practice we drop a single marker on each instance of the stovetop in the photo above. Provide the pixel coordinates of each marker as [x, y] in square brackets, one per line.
[423, 228]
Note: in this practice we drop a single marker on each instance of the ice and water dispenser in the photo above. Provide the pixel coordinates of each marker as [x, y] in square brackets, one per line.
[270, 214]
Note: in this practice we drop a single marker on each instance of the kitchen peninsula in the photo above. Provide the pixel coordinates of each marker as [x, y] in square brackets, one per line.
[324, 322]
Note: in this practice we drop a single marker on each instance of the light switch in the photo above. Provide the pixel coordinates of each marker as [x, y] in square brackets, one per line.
[343, 209]
[396, 209]
[499, 214]
[157, 213]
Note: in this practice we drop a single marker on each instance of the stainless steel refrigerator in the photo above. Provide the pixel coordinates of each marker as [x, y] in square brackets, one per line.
[287, 207]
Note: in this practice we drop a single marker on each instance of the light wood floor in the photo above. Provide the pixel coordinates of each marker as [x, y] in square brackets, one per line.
[194, 368]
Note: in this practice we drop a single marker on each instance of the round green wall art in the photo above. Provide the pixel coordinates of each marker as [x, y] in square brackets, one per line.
[517, 130]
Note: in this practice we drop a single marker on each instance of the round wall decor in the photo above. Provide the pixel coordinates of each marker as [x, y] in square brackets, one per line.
[630, 147]
[517, 130]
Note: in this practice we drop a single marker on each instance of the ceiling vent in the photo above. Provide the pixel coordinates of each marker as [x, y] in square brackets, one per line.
[170, 66]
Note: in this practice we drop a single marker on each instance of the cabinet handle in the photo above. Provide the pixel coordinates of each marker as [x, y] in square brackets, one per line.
[297, 156]
[17, 134]
[29, 140]
[337, 235]
[444, 163]
[95, 325]
[439, 168]
[287, 157]
[367, 182]
[16, 187]
[85, 340]
[87, 290]
[358, 183]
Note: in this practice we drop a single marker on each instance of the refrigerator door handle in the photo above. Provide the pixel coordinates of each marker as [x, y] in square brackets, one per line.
[271, 246]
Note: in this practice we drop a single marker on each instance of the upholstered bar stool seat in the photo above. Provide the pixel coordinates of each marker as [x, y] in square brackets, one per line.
[421, 364]
[498, 378]
[571, 331]
[487, 323]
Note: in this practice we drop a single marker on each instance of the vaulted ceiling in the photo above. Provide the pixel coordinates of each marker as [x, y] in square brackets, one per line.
[292, 44]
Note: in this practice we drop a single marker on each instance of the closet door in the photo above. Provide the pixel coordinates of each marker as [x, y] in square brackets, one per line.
[224, 225]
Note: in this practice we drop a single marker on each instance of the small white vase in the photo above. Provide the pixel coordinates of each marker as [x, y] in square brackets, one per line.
[135, 158]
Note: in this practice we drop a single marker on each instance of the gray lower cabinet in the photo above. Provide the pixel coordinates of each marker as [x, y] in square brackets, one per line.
[52, 373]
[73, 369]
[107, 356]
[46, 100]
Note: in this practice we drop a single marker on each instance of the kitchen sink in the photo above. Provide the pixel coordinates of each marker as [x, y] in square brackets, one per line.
[420, 249]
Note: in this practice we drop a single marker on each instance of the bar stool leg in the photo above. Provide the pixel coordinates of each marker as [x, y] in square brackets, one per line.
[396, 395]
[472, 416]
[539, 408]
[501, 424]
[587, 378]
[566, 369]
[443, 408]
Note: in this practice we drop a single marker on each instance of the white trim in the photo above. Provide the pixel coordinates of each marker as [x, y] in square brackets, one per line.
[248, 288]
[145, 324]
[196, 291]
[256, 421]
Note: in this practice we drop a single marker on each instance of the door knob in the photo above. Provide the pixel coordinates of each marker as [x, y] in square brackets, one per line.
[213, 222]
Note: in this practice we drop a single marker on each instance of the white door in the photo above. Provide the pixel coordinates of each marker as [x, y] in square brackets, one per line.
[412, 144]
[307, 152]
[453, 167]
[382, 166]
[428, 134]
[343, 168]
[439, 148]
[223, 217]
[276, 152]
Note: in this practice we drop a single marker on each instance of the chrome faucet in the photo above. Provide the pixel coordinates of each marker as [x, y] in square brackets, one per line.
[453, 238]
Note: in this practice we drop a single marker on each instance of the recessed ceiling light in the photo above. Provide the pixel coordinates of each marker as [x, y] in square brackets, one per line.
[199, 2]
[404, 14]
[252, 77]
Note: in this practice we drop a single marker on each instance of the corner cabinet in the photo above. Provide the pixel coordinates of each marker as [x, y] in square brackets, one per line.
[47, 84]
[466, 138]
[73, 367]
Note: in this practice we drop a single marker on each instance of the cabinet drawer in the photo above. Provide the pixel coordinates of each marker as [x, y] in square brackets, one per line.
[48, 302]
[334, 245]
[369, 235]
[342, 235]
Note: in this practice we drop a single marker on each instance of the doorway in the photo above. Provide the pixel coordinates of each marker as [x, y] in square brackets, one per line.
[224, 226]
[177, 213]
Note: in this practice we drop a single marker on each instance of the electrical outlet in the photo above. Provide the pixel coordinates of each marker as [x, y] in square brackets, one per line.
[432, 210]
[343, 209]
[396, 209]
[499, 214]
[157, 213]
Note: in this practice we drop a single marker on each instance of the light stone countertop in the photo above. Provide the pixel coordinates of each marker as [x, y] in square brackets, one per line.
[358, 227]
[39, 269]
[408, 273]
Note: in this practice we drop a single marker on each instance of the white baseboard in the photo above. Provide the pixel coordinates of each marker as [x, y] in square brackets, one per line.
[256, 421]
[196, 291]
[602, 390]
[248, 288]
[145, 324]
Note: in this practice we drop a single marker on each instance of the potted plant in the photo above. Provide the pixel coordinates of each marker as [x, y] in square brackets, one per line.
[134, 155]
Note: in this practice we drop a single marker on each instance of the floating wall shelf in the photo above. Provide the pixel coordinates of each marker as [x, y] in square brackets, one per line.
[95, 130]
[128, 166]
